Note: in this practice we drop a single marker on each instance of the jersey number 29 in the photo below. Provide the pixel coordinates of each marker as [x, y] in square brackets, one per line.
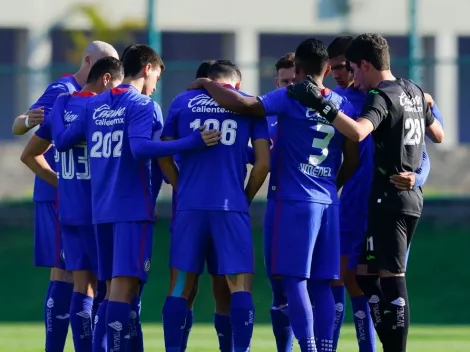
[106, 145]
[228, 129]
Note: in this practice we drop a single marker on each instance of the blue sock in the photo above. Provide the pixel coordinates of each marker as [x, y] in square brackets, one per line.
[339, 295]
[136, 343]
[223, 327]
[322, 296]
[46, 308]
[187, 329]
[57, 315]
[365, 331]
[174, 317]
[99, 297]
[80, 321]
[99, 328]
[242, 318]
[280, 319]
[300, 312]
[117, 325]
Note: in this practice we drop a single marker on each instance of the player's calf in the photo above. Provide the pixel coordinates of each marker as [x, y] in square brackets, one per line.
[222, 323]
[280, 321]
[188, 325]
[339, 295]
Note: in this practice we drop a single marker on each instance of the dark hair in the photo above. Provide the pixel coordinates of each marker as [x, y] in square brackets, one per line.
[124, 52]
[339, 45]
[203, 69]
[137, 57]
[311, 56]
[105, 65]
[224, 69]
[370, 47]
[287, 61]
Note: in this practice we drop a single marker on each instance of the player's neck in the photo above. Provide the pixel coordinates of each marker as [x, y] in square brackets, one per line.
[90, 88]
[382, 76]
[137, 83]
[319, 82]
[81, 78]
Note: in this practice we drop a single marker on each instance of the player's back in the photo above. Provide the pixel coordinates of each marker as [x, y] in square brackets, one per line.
[73, 170]
[121, 184]
[308, 149]
[212, 178]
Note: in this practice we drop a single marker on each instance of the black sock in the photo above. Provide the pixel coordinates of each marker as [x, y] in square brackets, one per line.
[370, 286]
[396, 296]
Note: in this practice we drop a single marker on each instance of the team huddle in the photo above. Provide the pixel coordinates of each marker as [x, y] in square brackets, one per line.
[103, 149]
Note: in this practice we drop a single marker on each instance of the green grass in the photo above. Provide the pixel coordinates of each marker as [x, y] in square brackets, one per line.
[29, 338]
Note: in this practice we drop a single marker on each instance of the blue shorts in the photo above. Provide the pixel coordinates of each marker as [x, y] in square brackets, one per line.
[124, 249]
[80, 248]
[353, 226]
[305, 240]
[48, 246]
[223, 236]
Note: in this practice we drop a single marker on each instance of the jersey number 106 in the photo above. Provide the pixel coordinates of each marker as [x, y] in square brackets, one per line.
[228, 129]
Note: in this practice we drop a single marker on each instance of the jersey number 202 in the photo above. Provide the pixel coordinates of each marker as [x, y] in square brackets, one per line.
[228, 129]
[106, 145]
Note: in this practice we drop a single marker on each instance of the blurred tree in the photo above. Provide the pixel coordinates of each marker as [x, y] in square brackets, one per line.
[101, 29]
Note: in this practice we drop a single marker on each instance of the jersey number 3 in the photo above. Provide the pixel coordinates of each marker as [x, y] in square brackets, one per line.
[228, 130]
[320, 143]
[105, 145]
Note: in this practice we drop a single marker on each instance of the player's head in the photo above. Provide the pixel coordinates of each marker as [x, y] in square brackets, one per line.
[369, 56]
[224, 71]
[124, 52]
[337, 60]
[95, 51]
[141, 62]
[106, 73]
[203, 69]
[311, 58]
[285, 70]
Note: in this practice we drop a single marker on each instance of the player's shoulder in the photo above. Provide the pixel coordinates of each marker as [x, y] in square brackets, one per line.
[66, 84]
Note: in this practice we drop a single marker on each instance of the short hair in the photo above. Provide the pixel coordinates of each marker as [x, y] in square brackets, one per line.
[203, 69]
[137, 57]
[106, 65]
[370, 47]
[224, 69]
[339, 45]
[311, 56]
[124, 52]
[287, 61]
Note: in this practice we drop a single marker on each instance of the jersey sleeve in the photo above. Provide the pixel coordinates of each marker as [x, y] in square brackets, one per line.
[347, 109]
[274, 102]
[170, 128]
[437, 114]
[44, 130]
[423, 172]
[375, 108]
[65, 137]
[157, 122]
[428, 115]
[141, 121]
[259, 129]
[49, 96]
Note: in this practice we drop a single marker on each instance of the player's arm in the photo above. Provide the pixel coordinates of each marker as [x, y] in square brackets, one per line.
[422, 173]
[349, 164]
[405, 181]
[260, 170]
[143, 147]
[27, 121]
[230, 99]
[169, 168]
[33, 158]
[250, 153]
[434, 123]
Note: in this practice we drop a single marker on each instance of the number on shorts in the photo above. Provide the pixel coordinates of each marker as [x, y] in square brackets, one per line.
[228, 129]
[107, 144]
[414, 131]
[324, 133]
[370, 244]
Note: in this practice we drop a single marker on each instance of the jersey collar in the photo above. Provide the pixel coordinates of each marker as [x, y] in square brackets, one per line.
[83, 94]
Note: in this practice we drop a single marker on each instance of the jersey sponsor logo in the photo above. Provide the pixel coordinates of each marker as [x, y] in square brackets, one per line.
[104, 116]
[413, 104]
[313, 114]
[203, 103]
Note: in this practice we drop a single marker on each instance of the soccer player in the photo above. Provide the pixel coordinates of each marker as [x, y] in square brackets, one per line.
[118, 126]
[397, 113]
[353, 207]
[39, 155]
[212, 205]
[309, 153]
[74, 192]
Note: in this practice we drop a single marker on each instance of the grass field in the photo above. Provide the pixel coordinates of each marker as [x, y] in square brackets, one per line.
[29, 338]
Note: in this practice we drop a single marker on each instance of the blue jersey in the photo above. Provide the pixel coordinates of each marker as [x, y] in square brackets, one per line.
[121, 184]
[308, 148]
[73, 166]
[357, 188]
[272, 127]
[212, 178]
[157, 175]
[43, 191]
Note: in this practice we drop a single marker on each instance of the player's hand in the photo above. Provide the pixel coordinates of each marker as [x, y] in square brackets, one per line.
[429, 99]
[211, 137]
[35, 116]
[199, 83]
[404, 181]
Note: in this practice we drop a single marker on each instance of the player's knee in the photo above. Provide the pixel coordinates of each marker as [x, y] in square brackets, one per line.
[123, 289]
[193, 294]
[222, 295]
[279, 296]
[239, 282]
[181, 283]
[61, 275]
[84, 282]
[367, 283]
[386, 273]
[337, 283]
